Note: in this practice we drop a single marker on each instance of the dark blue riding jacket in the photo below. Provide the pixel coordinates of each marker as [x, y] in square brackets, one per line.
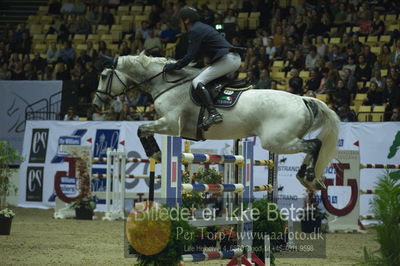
[206, 40]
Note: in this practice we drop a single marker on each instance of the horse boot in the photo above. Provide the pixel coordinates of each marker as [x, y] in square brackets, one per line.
[213, 116]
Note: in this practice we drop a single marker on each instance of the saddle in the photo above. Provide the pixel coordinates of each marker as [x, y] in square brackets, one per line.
[224, 91]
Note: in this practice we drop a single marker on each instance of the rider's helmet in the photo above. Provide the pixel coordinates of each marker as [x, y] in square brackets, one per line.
[190, 13]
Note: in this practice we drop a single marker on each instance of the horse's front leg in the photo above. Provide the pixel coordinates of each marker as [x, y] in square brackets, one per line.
[146, 136]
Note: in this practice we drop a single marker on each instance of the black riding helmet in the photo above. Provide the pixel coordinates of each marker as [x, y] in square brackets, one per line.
[190, 13]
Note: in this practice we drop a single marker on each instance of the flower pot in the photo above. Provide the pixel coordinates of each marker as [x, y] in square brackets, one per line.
[5, 225]
[83, 214]
[312, 225]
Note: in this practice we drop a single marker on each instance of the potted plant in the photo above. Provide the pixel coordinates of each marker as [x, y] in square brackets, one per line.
[6, 216]
[312, 215]
[84, 208]
[8, 155]
[85, 205]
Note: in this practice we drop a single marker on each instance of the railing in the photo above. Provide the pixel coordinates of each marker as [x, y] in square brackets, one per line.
[44, 109]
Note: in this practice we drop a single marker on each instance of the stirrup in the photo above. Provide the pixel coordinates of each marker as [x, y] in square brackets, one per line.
[212, 119]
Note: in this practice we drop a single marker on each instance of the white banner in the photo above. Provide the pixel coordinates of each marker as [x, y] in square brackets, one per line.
[18, 97]
[43, 159]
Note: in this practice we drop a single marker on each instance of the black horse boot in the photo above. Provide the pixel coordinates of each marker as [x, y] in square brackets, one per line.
[214, 117]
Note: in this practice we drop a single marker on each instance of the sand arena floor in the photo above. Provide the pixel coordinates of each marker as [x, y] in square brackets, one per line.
[38, 239]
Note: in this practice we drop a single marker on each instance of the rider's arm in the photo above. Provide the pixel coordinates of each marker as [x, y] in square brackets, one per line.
[193, 49]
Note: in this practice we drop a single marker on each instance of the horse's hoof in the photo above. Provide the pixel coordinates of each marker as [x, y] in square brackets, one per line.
[310, 175]
[320, 184]
[302, 171]
[303, 182]
[157, 157]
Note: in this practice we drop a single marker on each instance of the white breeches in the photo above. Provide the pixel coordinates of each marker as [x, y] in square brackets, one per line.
[227, 64]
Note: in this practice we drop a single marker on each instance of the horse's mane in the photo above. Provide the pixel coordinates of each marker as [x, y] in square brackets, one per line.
[129, 62]
[134, 61]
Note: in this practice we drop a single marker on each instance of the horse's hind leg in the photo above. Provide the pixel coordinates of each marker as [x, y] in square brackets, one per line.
[306, 174]
[313, 147]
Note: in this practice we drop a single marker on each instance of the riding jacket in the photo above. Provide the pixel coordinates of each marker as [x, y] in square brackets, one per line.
[206, 40]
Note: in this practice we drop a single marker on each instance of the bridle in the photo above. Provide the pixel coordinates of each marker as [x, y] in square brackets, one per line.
[126, 89]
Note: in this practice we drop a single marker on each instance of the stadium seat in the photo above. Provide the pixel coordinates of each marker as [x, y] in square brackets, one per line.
[170, 50]
[372, 39]
[242, 20]
[391, 18]
[304, 75]
[384, 38]
[393, 27]
[51, 38]
[93, 37]
[40, 47]
[362, 39]
[378, 113]
[32, 19]
[359, 99]
[46, 19]
[364, 113]
[79, 38]
[35, 29]
[254, 20]
[123, 10]
[376, 50]
[147, 10]
[334, 40]
[242, 75]
[107, 38]
[38, 38]
[43, 10]
[139, 19]
[80, 47]
[136, 10]
[102, 29]
[281, 76]
[222, 7]
[322, 97]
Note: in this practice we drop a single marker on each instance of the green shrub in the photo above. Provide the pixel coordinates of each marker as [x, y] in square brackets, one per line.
[386, 209]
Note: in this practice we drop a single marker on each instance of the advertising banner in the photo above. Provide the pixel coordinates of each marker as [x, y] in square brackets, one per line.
[377, 143]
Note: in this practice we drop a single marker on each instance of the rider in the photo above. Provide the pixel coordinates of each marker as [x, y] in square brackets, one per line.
[224, 58]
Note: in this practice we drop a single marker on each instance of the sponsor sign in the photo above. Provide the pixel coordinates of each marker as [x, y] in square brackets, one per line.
[34, 183]
[39, 140]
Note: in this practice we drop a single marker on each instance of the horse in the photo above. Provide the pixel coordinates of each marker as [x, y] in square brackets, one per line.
[280, 119]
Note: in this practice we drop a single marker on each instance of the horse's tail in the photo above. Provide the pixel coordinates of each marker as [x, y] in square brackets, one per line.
[328, 121]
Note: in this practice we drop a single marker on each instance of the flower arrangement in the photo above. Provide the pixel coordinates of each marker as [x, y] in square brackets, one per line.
[8, 213]
[206, 176]
[86, 201]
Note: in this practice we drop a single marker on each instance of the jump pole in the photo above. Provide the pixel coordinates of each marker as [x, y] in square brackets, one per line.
[172, 158]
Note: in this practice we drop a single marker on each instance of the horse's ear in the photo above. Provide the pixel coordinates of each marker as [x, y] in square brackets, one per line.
[144, 59]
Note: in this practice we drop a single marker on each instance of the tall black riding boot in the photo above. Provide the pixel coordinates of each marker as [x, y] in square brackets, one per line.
[214, 117]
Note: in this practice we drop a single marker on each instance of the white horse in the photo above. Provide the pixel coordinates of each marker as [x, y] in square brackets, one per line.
[278, 118]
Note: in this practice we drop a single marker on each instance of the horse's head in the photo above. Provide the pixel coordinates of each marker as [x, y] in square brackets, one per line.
[112, 83]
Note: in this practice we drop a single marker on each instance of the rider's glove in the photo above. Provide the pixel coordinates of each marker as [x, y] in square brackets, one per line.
[169, 67]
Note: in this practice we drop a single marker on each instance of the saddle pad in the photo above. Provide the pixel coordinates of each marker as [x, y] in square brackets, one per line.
[226, 98]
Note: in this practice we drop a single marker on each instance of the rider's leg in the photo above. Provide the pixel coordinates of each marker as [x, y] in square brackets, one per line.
[225, 65]
[214, 117]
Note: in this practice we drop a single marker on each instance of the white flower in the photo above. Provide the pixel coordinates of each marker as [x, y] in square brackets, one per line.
[7, 213]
